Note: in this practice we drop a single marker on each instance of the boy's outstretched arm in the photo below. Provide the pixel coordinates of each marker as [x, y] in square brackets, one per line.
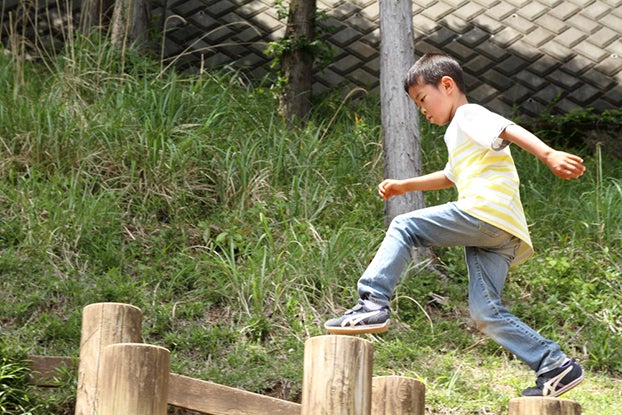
[433, 181]
[562, 164]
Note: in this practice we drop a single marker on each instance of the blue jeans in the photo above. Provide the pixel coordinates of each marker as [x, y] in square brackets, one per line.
[489, 252]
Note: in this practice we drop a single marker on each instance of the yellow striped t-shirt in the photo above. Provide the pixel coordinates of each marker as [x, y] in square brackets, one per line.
[482, 169]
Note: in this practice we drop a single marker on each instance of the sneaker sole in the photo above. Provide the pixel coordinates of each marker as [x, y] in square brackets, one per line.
[351, 330]
[567, 387]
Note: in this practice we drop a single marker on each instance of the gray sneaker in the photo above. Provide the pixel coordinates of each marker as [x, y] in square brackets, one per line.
[365, 317]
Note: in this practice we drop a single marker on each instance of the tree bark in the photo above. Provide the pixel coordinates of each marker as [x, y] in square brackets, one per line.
[400, 122]
[297, 62]
[95, 14]
[130, 23]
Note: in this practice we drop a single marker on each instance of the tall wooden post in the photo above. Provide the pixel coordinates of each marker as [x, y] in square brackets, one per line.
[102, 324]
[297, 62]
[397, 395]
[130, 23]
[337, 376]
[543, 406]
[134, 380]
[95, 14]
[400, 119]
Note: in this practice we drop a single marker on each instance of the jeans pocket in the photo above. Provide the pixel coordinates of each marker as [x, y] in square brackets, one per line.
[490, 230]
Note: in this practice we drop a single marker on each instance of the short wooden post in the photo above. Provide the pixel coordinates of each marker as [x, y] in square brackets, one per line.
[337, 376]
[102, 324]
[397, 395]
[543, 406]
[134, 380]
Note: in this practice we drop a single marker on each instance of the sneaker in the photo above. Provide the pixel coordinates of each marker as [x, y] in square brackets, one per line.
[557, 381]
[365, 317]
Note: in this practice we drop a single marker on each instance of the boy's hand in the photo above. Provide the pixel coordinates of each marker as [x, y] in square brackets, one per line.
[564, 165]
[389, 188]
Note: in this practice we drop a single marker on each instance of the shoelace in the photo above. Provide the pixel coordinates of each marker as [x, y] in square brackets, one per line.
[354, 309]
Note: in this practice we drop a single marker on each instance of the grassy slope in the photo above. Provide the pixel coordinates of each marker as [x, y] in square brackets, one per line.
[187, 198]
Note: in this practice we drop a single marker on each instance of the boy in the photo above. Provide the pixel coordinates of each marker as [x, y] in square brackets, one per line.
[487, 219]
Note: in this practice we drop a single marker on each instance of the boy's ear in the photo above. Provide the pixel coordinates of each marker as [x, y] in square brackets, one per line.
[448, 83]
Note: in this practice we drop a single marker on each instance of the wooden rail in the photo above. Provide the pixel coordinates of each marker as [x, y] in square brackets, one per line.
[183, 392]
[211, 398]
[47, 371]
[337, 378]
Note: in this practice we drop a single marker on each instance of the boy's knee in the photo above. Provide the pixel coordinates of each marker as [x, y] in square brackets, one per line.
[481, 317]
[403, 222]
[397, 225]
[397, 221]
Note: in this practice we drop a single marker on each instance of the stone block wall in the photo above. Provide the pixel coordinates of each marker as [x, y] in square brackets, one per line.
[522, 56]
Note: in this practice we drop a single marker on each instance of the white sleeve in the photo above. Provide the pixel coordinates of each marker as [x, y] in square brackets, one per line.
[483, 126]
[449, 173]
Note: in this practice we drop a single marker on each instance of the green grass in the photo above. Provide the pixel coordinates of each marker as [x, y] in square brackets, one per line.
[186, 196]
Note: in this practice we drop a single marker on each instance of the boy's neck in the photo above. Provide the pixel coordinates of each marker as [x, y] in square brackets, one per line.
[460, 100]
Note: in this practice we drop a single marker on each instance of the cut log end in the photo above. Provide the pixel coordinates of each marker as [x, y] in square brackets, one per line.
[543, 406]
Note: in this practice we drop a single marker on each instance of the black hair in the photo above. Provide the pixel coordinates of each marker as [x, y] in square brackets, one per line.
[431, 68]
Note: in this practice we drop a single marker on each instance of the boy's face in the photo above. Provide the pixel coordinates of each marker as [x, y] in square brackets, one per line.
[435, 101]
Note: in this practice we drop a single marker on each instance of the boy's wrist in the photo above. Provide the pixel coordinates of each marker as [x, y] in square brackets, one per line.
[546, 154]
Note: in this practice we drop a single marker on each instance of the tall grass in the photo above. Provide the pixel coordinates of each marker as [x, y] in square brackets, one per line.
[187, 196]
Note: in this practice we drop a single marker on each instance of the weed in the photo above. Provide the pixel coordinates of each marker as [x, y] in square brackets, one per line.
[186, 196]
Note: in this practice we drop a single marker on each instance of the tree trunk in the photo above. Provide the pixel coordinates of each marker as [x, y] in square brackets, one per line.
[297, 62]
[95, 14]
[130, 23]
[400, 121]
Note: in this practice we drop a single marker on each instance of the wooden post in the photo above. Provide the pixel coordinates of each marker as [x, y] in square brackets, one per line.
[102, 324]
[337, 376]
[543, 406]
[95, 14]
[130, 23]
[134, 380]
[400, 125]
[397, 395]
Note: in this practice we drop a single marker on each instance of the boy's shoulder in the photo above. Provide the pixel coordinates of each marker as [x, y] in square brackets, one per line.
[475, 113]
[476, 109]
[473, 123]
